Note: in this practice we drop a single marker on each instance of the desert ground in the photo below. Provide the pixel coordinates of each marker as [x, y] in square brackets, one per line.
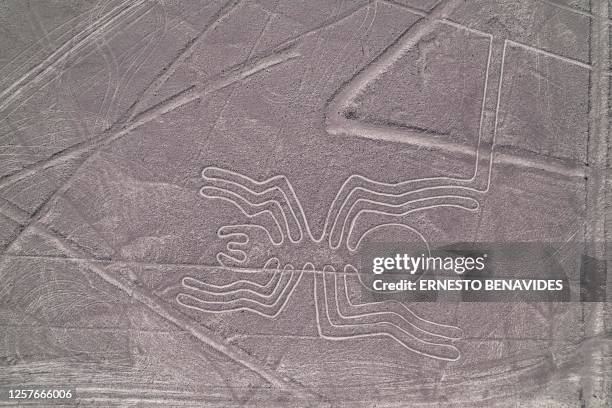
[185, 187]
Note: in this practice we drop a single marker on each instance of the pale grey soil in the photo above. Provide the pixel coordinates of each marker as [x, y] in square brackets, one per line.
[138, 138]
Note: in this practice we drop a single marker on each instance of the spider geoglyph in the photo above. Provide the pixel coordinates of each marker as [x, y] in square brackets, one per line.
[294, 251]
[288, 232]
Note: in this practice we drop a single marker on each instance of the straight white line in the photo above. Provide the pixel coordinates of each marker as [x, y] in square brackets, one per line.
[550, 54]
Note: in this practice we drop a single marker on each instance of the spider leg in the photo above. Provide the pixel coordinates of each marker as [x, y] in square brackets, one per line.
[342, 232]
[196, 295]
[276, 193]
[333, 324]
[357, 186]
[240, 286]
[394, 311]
[250, 210]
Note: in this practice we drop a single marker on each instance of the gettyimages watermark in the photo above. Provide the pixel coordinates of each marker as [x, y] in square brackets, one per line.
[485, 272]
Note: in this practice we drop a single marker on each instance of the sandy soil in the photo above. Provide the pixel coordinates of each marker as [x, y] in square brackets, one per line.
[183, 184]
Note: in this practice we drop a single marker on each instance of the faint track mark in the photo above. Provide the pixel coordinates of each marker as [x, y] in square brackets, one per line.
[48, 66]
[156, 84]
[204, 335]
[596, 383]
[117, 131]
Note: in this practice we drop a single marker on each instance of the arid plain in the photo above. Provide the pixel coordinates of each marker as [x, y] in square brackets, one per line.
[185, 187]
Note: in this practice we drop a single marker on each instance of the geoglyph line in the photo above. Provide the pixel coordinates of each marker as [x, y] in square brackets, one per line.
[47, 67]
[241, 286]
[239, 190]
[342, 329]
[258, 304]
[339, 124]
